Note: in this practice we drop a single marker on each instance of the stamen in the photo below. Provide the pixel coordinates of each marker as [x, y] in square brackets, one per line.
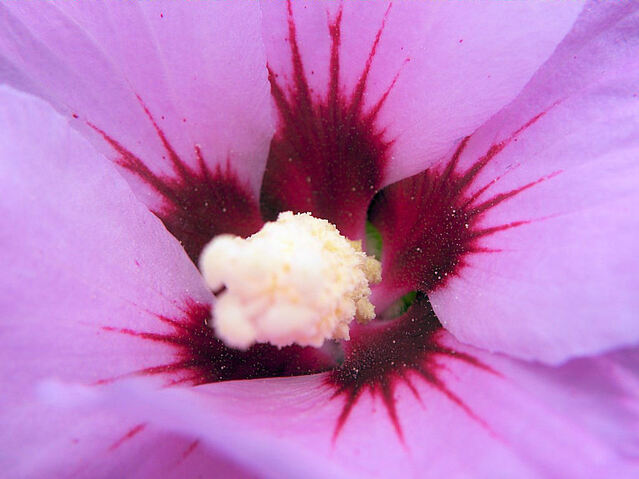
[297, 280]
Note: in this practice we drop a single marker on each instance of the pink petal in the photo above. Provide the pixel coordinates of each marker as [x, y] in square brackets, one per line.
[219, 435]
[456, 64]
[557, 277]
[43, 441]
[513, 419]
[199, 69]
[86, 267]
[80, 253]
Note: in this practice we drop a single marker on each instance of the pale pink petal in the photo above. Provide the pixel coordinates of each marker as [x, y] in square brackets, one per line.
[198, 68]
[42, 441]
[197, 416]
[557, 268]
[87, 270]
[455, 64]
[80, 254]
[505, 418]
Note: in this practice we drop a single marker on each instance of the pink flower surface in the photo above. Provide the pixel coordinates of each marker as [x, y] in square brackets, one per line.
[491, 145]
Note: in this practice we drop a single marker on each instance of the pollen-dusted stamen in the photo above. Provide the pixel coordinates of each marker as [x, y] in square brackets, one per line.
[297, 280]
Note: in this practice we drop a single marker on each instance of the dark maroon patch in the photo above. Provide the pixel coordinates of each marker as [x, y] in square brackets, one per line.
[429, 222]
[328, 154]
[200, 357]
[384, 354]
[197, 204]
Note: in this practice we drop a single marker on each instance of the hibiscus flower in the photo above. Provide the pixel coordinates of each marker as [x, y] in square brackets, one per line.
[485, 152]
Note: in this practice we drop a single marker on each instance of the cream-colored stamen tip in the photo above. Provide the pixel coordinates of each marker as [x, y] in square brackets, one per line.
[296, 281]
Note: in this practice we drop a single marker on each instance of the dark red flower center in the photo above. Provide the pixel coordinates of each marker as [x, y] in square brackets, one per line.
[328, 157]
